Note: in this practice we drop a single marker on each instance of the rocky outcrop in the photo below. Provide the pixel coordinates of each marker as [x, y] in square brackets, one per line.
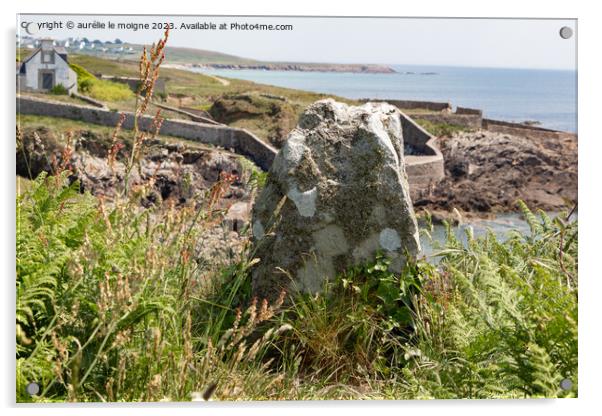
[336, 195]
[272, 116]
[487, 172]
[177, 172]
[304, 67]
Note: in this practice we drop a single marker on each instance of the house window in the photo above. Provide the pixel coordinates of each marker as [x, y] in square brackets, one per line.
[47, 57]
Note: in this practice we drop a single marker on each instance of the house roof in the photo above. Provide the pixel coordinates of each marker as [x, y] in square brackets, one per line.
[60, 51]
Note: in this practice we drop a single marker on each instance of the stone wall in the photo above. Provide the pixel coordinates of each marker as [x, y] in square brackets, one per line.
[420, 169]
[440, 112]
[193, 115]
[413, 105]
[241, 141]
[466, 110]
[89, 100]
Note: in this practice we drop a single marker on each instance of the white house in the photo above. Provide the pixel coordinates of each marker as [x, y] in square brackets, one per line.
[45, 68]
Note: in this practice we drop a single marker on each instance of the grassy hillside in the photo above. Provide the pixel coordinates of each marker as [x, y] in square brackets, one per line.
[199, 91]
[200, 56]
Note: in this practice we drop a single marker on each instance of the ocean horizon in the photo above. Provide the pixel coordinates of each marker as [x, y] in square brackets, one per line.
[548, 96]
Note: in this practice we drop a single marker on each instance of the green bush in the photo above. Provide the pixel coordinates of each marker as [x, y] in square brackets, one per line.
[59, 89]
[110, 91]
[100, 89]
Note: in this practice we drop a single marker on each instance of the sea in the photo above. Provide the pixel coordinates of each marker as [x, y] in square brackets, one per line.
[517, 95]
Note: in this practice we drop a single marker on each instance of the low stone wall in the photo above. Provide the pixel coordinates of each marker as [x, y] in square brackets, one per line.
[196, 111]
[414, 105]
[420, 169]
[190, 114]
[241, 141]
[524, 130]
[471, 111]
[89, 100]
[440, 112]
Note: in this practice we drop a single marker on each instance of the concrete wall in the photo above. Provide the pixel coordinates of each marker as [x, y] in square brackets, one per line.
[241, 141]
[190, 114]
[89, 100]
[466, 110]
[413, 105]
[421, 170]
[441, 112]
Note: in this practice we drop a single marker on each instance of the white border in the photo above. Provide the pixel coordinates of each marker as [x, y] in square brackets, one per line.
[589, 202]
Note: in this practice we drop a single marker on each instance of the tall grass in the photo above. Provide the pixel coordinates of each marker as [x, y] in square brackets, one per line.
[107, 290]
[116, 303]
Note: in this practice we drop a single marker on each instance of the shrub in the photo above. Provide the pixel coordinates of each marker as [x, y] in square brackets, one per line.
[104, 90]
[500, 318]
[59, 89]
[104, 311]
[100, 89]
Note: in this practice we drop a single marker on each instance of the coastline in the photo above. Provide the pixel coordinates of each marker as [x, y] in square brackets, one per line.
[290, 66]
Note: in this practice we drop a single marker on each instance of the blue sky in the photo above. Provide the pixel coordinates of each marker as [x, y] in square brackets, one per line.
[502, 43]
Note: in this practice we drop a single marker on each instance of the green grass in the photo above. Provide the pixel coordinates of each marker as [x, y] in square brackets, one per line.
[112, 305]
[59, 127]
[100, 89]
[440, 129]
[200, 91]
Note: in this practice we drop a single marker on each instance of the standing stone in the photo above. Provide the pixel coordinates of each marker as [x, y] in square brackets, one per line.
[336, 195]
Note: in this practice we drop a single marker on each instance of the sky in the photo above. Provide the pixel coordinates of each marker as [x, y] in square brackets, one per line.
[500, 43]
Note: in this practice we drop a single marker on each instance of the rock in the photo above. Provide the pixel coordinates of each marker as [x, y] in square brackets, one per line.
[271, 116]
[180, 177]
[237, 216]
[488, 172]
[337, 194]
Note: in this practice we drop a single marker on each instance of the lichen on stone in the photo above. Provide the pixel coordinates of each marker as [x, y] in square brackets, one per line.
[342, 174]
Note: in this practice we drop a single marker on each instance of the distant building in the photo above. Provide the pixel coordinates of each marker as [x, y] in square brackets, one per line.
[46, 68]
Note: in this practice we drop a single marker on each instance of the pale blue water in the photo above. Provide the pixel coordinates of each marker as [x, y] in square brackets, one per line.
[548, 96]
[501, 226]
